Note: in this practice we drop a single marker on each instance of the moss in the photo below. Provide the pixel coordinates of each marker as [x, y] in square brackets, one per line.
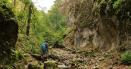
[126, 57]
[8, 33]
[30, 66]
[50, 65]
[117, 4]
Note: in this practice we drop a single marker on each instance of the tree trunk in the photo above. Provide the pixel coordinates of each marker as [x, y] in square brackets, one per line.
[14, 2]
[29, 20]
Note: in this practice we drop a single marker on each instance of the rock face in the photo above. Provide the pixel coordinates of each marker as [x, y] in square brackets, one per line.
[8, 33]
[99, 24]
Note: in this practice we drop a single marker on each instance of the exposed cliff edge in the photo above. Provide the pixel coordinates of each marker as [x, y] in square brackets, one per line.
[99, 24]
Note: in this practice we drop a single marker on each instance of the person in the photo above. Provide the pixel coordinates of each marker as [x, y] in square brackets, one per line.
[44, 49]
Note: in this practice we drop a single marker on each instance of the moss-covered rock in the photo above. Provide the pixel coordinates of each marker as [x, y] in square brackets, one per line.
[8, 33]
[50, 65]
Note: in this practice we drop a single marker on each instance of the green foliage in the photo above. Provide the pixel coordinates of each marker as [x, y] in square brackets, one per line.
[51, 64]
[28, 44]
[18, 55]
[5, 1]
[5, 9]
[44, 26]
[114, 1]
[26, 2]
[49, 26]
[126, 57]
[7, 67]
[117, 3]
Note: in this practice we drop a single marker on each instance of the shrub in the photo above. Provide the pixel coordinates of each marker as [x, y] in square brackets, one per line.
[117, 4]
[18, 55]
[126, 57]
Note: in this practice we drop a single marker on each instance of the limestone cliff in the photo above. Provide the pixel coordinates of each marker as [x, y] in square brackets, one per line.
[99, 24]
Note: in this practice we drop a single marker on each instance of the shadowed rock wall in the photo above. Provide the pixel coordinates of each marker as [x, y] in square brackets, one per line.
[8, 33]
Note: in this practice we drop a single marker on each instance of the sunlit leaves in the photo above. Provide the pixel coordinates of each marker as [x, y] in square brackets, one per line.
[49, 26]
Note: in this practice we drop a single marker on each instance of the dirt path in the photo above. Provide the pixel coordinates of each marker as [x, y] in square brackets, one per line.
[67, 58]
[64, 58]
[86, 59]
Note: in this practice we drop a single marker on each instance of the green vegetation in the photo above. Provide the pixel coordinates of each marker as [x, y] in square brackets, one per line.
[117, 4]
[18, 55]
[89, 35]
[126, 57]
[34, 26]
[43, 26]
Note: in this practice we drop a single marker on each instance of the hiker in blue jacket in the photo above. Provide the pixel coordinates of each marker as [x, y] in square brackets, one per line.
[44, 49]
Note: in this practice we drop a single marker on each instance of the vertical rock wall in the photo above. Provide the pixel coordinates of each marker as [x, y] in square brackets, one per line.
[8, 34]
[99, 24]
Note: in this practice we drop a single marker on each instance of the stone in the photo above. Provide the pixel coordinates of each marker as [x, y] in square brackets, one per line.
[95, 67]
[63, 66]
[50, 64]
[8, 34]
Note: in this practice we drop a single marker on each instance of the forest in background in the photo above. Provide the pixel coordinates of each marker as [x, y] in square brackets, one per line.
[43, 26]
[35, 26]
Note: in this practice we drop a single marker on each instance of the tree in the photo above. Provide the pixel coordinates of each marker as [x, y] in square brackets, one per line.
[14, 2]
[29, 19]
